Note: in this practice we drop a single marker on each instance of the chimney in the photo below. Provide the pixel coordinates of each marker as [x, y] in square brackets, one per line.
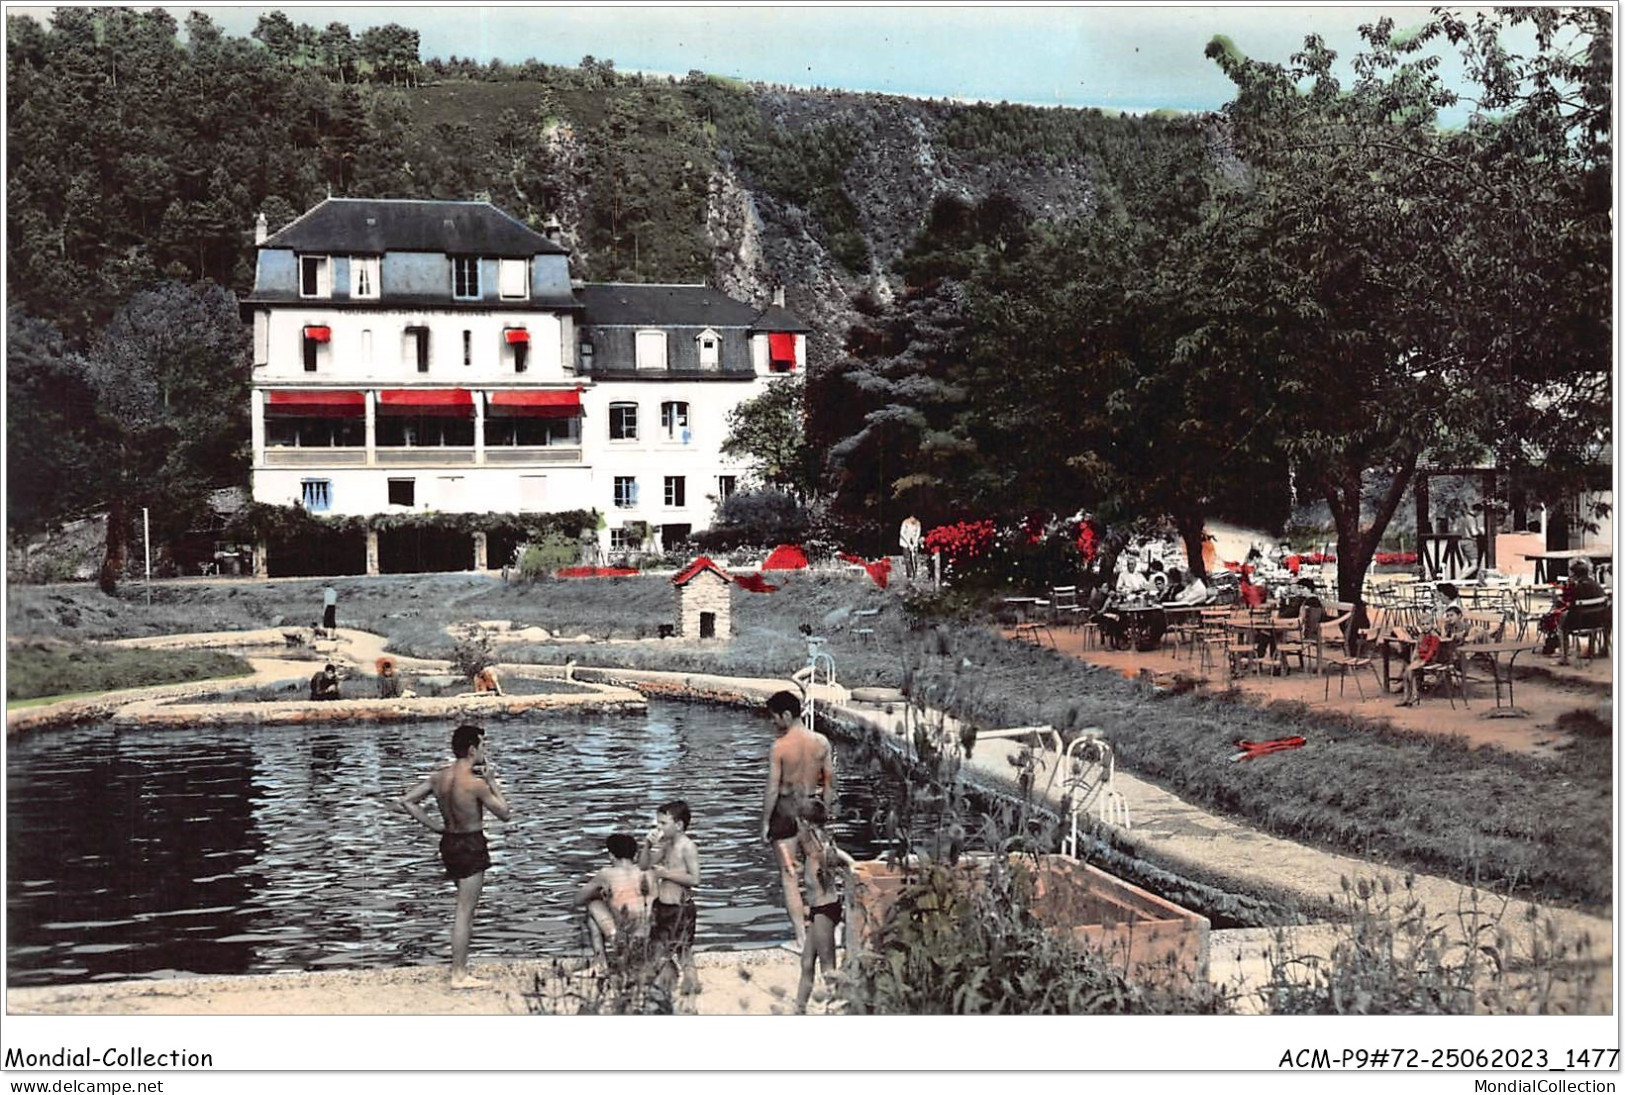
[261, 229]
[552, 229]
[778, 295]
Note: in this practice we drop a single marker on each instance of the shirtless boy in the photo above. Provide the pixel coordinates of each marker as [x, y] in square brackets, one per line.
[829, 872]
[617, 900]
[670, 855]
[800, 768]
[463, 790]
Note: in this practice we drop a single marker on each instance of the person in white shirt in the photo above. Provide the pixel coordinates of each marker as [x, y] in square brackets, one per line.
[1195, 592]
[1131, 582]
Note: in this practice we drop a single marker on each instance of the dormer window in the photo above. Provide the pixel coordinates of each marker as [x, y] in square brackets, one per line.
[513, 279]
[465, 278]
[651, 349]
[315, 280]
[710, 346]
[364, 277]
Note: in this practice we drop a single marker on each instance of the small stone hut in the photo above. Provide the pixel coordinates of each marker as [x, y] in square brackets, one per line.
[704, 601]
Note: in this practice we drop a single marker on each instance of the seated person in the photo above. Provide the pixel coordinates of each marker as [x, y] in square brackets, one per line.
[1446, 596]
[1194, 591]
[1429, 649]
[389, 682]
[1253, 590]
[1573, 616]
[1170, 590]
[617, 901]
[1131, 583]
[486, 681]
[325, 684]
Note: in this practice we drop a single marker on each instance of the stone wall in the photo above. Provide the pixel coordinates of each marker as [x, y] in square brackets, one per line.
[706, 592]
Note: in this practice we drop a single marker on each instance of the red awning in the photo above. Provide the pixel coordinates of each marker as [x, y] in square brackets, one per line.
[781, 346]
[535, 403]
[515, 335]
[316, 403]
[319, 334]
[457, 402]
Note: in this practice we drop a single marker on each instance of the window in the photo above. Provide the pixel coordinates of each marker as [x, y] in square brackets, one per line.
[623, 421]
[621, 539]
[403, 492]
[314, 432]
[433, 431]
[674, 421]
[586, 357]
[710, 349]
[651, 349]
[311, 348]
[314, 280]
[416, 351]
[316, 494]
[364, 277]
[465, 278]
[526, 430]
[513, 279]
[366, 348]
[726, 485]
[676, 491]
[626, 491]
[532, 493]
[468, 348]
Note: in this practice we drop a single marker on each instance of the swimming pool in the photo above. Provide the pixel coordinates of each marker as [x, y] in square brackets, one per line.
[243, 850]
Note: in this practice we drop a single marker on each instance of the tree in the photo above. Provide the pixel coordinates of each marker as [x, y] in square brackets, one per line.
[48, 411]
[770, 432]
[1361, 272]
[171, 377]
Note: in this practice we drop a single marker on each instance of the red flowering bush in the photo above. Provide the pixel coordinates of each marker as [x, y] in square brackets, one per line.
[962, 544]
[1088, 542]
[1394, 558]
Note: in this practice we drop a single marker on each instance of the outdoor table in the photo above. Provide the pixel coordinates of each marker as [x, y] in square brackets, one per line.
[1493, 652]
[1275, 627]
[1137, 623]
[1601, 561]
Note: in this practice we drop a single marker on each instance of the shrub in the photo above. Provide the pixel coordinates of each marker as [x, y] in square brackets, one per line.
[473, 653]
[551, 553]
[755, 518]
[947, 948]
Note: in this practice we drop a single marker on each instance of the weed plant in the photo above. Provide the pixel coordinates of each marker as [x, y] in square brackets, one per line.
[1390, 955]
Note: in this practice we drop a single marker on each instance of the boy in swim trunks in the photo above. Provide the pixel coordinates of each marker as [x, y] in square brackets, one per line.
[829, 872]
[670, 855]
[617, 901]
[800, 768]
[463, 790]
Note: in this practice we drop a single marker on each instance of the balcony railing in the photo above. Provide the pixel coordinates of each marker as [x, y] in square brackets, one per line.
[533, 454]
[425, 456]
[287, 456]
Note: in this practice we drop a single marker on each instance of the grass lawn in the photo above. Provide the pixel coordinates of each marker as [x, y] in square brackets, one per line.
[1541, 826]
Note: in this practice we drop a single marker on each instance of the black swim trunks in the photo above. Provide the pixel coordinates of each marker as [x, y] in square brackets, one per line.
[673, 925]
[830, 912]
[464, 854]
[782, 824]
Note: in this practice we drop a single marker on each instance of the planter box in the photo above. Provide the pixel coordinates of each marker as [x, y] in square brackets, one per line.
[1148, 938]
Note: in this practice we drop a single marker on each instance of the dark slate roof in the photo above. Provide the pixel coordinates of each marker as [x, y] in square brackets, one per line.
[776, 317]
[371, 226]
[618, 304]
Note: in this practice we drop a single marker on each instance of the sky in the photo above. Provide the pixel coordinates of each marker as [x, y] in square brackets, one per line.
[1123, 57]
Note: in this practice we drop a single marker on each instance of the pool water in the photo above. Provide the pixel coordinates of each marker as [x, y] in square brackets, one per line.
[242, 850]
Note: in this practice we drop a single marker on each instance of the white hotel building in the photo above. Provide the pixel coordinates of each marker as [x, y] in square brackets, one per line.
[429, 355]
